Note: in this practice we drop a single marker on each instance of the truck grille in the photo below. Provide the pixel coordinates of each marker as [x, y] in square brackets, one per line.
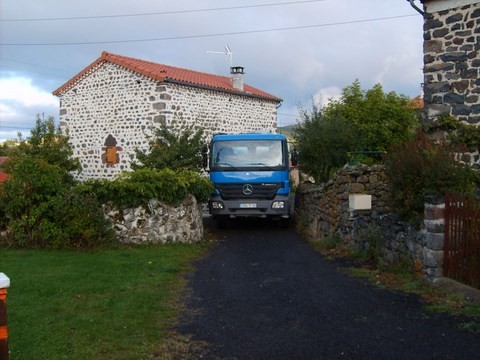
[264, 191]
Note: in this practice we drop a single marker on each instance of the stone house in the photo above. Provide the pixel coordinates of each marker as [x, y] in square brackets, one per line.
[452, 60]
[110, 108]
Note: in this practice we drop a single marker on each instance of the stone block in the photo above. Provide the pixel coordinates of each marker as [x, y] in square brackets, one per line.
[452, 98]
[357, 188]
[430, 24]
[460, 109]
[454, 18]
[432, 46]
[454, 57]
[435, 241]
[432, 258]
[435, 226]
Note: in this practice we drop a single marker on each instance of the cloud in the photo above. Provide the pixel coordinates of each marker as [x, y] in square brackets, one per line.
[295, 65]
[323, 96]
[22, 91]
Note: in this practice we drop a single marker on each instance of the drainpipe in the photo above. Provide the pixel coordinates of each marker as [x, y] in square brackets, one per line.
[412, 3]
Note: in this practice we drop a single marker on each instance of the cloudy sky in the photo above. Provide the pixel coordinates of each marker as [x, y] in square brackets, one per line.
[296, 50]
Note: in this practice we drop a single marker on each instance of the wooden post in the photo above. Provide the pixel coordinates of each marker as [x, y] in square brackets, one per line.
[4, 284]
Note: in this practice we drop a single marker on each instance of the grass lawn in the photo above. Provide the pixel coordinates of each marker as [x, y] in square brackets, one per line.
[105, 304]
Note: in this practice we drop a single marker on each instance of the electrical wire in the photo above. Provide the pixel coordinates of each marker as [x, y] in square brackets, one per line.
[208, 35]
[162, 12]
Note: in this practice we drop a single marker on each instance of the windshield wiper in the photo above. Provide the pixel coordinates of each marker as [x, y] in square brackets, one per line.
[262, 164]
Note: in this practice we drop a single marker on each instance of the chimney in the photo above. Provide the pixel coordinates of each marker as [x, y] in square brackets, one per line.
[237, 77]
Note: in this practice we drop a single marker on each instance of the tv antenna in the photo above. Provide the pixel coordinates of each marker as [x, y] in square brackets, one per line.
[228, 53]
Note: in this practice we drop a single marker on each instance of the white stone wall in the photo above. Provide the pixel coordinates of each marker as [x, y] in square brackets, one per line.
[158, 223]
[114, 101]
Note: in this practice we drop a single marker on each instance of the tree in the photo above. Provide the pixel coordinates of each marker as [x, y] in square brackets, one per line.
[170, 150]
[39, 200]
[48, 143]
[382, 119]
[360, 121]
[323, 144]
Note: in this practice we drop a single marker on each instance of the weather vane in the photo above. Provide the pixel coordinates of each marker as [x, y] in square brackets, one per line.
[228, 53]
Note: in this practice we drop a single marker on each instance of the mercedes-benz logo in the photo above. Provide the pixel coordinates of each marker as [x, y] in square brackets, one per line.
[247, 189]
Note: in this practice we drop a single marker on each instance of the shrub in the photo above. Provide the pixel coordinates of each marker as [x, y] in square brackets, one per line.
[138, 187]
[323, 144]
[41, 209]
[38, 202]
[176, 150]
[421, 167]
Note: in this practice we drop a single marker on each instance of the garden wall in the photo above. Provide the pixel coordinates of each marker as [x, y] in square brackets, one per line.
[158, 223]
[325, 210]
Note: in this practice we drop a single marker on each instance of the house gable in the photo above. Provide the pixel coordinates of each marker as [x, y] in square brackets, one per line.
[110, 110]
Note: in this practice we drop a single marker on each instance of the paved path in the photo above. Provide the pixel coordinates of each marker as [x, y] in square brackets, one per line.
[262, 293]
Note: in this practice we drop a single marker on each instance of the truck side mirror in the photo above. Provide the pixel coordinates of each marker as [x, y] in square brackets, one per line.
[294, 157]
[205, 156]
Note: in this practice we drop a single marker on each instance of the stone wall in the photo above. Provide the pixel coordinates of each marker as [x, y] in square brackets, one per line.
[158, 223]
[114, 108]
[452, 66]
[325, 210]
[452, 63]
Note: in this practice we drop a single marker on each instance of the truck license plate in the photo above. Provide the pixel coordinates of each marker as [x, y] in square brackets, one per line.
[248, 206]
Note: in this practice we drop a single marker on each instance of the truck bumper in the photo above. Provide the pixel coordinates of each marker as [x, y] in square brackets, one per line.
[278, 207]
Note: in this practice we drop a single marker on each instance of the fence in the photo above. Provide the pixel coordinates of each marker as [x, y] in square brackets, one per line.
[462, 239]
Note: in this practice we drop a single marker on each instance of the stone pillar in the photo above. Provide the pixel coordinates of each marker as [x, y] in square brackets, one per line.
[4, 284]
[433, 250]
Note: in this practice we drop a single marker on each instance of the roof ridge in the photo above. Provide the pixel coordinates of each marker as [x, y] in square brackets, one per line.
[162, 72]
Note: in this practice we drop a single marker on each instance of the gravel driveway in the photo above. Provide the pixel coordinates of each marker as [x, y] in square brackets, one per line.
[263, 293]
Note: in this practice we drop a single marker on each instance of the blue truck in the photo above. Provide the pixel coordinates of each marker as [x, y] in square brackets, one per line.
[251, 175]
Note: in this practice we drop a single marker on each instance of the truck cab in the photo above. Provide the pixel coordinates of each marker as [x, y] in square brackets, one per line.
[251, 175]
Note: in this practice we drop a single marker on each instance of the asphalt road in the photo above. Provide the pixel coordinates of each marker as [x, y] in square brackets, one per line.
[263, 293]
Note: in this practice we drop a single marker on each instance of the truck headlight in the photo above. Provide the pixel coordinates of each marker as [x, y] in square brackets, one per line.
[217, 205]
[278, 205]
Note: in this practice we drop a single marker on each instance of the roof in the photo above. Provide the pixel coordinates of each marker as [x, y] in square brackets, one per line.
[416, 103]
[166, 73]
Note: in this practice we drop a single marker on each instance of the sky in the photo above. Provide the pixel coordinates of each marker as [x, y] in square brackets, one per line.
[300, 51]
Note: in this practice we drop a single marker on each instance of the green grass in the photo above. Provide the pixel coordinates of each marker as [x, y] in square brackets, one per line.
[106, 304]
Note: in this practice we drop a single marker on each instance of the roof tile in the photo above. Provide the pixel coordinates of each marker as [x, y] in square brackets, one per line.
[166, 73]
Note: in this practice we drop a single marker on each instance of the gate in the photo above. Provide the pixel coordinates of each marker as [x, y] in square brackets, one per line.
[462, 239]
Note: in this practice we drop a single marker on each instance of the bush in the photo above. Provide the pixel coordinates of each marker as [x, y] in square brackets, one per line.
[138, 187]
[39, 202]
[421, 167]
[170, 149]
[42, 211]
[323, 144]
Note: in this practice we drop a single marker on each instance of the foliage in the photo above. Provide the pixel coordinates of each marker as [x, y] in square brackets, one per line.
[42, 211]
[421, 167]
[362, 122]
[39, 201]
[323, 144]
[176, 151]
[459, 133]
[138, 187]
[47, 142]
[381, 119]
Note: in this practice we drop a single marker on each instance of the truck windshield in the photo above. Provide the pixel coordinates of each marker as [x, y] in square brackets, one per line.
[250, 154]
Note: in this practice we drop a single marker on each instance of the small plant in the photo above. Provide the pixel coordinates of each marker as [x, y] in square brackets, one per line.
[371, 250]
[138, 187]
[422, 167]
